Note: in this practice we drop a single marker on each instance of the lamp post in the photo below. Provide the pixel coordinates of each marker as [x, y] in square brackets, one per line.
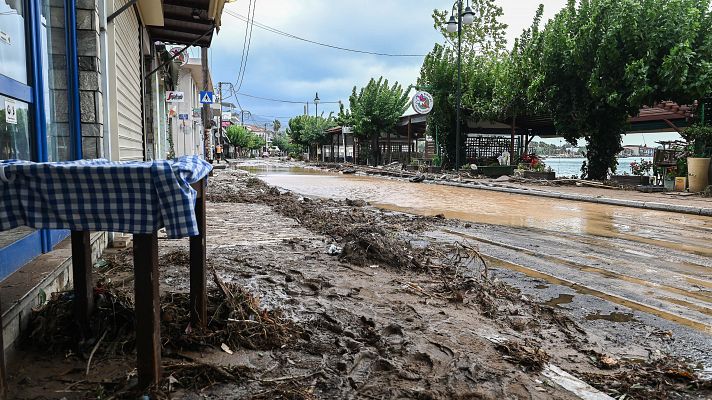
[316, 104]
[453, 25]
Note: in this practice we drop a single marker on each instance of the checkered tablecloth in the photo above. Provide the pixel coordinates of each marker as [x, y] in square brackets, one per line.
[100, 195]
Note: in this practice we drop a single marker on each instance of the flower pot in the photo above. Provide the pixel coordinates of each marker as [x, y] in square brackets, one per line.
[669, 183]
[680, 184]
[540, 175]
[698, 173]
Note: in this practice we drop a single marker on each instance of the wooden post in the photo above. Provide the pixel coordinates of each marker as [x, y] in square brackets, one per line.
[410, 140]
[148, 309]
[198, 279]
[526, 143]
[388, 152]
[81, 275]
[353, 150]
[511, 146]
[3, 376]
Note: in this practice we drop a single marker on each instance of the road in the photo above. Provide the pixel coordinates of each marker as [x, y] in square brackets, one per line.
[623, 273]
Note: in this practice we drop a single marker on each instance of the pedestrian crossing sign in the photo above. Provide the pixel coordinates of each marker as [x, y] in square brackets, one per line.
[207, 97]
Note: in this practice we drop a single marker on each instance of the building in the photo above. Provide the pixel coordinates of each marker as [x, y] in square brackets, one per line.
[185, 122]
[85, 79]
[637, 151]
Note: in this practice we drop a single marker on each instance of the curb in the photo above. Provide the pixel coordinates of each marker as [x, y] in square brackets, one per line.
[656, 206]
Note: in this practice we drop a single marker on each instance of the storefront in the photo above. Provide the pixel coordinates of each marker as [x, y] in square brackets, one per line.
[39, 103]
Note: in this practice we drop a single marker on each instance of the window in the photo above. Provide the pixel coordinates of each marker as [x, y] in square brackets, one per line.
[13, 51]
[54, 74]
[14, 129]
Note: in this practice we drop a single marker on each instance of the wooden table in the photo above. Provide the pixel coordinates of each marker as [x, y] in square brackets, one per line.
[147, 297]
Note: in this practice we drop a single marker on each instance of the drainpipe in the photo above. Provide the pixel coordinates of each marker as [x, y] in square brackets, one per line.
[104, 68]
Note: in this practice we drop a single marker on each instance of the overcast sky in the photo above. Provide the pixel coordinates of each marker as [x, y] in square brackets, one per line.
[279, 67]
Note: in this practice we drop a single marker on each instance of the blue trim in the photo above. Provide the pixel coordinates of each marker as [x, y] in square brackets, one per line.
[75, 126]
[35, 43]
[19, 253]
[56, 236]
[12, 88]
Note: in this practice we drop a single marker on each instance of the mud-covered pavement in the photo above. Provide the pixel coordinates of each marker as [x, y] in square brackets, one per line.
[375, 305]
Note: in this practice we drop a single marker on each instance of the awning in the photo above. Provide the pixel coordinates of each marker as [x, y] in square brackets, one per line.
[185, 21]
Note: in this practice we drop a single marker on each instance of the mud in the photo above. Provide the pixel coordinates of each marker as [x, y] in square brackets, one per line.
[380, 310]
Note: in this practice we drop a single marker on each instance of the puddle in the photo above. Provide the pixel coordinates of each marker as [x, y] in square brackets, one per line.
[498, 208]
[559, 300]
[612, 317]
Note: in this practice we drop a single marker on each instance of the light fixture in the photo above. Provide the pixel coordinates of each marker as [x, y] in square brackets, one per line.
[316, 98]
[452, 24]
[195, 14]
[468, 17]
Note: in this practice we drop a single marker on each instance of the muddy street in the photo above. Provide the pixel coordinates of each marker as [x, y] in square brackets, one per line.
[624, 272]
[334, 299]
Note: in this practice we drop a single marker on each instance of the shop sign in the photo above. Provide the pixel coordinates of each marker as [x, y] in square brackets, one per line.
[183, 117]
[180, 56]
[423, 102]
[10, 111]
[174, 97]
[226, 116]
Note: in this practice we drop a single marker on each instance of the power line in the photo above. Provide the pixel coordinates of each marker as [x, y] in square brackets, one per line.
[249, 43]
[282, 101]
[244, 43]
[289, 35]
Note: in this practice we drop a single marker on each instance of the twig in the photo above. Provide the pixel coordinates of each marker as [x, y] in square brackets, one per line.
[292, 378]
[96, 346]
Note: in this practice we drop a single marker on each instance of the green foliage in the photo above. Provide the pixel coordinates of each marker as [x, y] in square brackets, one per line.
[310, 131]
[276, 124]
[485, 35]
[602, 60]
[243, 139]
[282, 142]
[700, 136]
[375, 109]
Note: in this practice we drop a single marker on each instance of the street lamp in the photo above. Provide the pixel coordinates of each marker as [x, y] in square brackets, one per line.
[316, 104]
[455, 24]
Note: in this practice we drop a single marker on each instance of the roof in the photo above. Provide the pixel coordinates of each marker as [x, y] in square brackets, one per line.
[187, 21]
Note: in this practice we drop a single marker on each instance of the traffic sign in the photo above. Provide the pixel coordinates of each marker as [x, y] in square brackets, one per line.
[207, 97]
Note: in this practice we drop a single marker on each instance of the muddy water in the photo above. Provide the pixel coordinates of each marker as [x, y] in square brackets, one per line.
[561, 216]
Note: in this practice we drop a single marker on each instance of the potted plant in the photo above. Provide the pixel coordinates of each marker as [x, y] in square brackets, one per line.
[698, 163]
[437, 165]
[640, 174]
[669, 182]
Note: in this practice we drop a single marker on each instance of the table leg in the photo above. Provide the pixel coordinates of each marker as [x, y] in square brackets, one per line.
[81, 275]
[3, 379]
[148, 309]
[198, 279]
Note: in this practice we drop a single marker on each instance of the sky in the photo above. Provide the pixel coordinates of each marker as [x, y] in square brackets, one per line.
[284, 68]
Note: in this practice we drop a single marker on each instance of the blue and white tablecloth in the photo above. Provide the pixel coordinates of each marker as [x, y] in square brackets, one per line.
[100, 195]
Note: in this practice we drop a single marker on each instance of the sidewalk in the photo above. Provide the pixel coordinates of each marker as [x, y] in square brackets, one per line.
[695, 205]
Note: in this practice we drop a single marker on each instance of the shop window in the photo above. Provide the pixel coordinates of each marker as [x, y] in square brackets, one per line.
[14, 129]
[54, 73]
[13, 51]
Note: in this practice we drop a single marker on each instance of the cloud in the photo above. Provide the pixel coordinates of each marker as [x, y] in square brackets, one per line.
[285, 68]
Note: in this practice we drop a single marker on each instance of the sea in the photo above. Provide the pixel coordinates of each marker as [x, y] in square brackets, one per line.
[572, 166]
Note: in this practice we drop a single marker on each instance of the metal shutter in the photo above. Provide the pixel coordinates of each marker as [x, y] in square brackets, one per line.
[128, 85]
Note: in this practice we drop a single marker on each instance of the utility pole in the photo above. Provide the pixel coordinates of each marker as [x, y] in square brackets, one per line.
[220, 126]
[206, 107]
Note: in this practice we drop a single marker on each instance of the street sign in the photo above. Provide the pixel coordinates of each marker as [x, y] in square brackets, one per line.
[174, 97]
[422, 102]
[183, 116]
[206, 97]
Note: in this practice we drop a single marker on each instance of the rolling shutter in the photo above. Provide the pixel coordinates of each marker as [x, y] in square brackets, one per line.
[128, 85]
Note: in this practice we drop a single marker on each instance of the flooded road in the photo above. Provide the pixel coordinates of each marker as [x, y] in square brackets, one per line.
[652, 262]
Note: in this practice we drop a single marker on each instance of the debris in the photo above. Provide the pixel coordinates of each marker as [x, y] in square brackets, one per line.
[607, 362]
[333, 250]
[226, 348]
[417, 178]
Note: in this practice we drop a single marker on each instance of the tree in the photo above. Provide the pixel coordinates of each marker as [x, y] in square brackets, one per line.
[375, 109]
[243, 139]
[602, 60]
[276, 124]
[486, 34]
[310, 131]
[281, 140]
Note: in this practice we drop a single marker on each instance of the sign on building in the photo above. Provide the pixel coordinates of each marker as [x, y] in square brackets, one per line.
[422, 102]
[10, 111]
[206, 97]
[183, 117]
[174, 97]
[226, 116]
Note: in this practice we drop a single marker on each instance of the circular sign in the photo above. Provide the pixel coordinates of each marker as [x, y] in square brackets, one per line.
[423, 102]
[181, 57]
